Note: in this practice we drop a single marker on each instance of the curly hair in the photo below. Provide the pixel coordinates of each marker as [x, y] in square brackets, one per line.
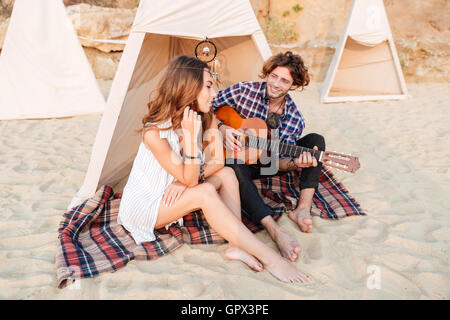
[291, 61]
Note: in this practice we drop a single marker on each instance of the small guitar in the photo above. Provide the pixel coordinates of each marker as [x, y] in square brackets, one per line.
[255, 142]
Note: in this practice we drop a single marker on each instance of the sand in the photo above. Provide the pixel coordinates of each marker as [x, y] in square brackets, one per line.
[399, 251]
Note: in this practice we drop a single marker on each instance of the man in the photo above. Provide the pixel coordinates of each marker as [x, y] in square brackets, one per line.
[270, 101]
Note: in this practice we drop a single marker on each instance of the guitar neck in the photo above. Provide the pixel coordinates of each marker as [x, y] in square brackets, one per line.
[281, 148]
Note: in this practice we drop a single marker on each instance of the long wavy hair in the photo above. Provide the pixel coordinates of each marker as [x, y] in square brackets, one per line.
[178, 88]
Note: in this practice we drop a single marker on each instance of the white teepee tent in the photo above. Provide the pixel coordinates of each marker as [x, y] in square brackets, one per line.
[365, 65]
[163, 29]
[44, 72]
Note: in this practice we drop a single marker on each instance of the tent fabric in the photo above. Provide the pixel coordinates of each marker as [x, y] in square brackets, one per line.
[366, 71]
[369, 24]
[154, 55]
[369, 39]
[365, 65]
[44, 72]
[196, 18]
[162, 30]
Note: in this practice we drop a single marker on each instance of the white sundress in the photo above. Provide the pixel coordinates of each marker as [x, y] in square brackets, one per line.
[145, 187]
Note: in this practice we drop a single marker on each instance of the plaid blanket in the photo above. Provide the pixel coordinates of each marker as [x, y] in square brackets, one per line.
[91, 241]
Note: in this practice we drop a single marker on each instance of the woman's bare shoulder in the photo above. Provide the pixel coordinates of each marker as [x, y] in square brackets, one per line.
[151, 137]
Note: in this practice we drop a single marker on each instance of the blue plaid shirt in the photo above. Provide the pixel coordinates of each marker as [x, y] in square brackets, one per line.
[249, 99]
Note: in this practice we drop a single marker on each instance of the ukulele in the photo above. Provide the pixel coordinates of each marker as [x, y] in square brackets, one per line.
[255, 142]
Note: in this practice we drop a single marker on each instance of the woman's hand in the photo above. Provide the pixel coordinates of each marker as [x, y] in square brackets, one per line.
[192, 128]
[173, 193]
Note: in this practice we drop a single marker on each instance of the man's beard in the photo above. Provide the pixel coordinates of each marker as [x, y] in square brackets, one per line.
[271, 95]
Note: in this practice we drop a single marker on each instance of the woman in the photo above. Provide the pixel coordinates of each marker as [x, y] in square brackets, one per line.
[169, 180]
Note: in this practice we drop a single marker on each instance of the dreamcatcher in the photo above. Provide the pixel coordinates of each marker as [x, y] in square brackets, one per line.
[206, 51]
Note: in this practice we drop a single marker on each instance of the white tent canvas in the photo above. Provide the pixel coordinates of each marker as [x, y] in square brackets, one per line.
[365, 65]
[163, 29]
[44, 72]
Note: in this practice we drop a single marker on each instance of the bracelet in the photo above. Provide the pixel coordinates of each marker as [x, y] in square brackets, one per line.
[221, 123]
[202, 175]
[192, 158]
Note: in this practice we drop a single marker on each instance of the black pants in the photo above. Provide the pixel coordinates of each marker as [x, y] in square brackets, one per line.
[251, 202]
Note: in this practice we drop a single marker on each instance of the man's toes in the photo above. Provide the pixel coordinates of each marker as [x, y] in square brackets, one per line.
[285, 254]
[293, 256]
[305, 225]
[309, 224]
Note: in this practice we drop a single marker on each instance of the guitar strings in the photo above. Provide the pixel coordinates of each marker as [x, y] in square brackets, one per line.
[269, 144]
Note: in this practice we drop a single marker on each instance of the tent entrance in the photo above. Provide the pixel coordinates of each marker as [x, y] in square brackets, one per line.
[365, 65]
[163, 29]
[156, 51]
[365, 71]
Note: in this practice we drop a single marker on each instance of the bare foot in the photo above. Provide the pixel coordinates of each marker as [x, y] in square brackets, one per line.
[288, 246]
[302, 217]
[285, 271]
[234, 253]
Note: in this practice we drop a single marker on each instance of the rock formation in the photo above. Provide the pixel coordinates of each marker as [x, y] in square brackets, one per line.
[312, 28]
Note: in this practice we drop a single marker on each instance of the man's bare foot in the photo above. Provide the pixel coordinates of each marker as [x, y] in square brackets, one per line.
[288, 246]
[302, 217]
[285, 271]
[234, 253]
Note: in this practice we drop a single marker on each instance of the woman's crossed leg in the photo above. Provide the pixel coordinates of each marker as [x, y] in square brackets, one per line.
[205, 197]
[227, 185]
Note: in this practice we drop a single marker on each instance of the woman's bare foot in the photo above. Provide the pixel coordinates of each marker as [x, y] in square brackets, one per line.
[234, 253]
[285, 271]
[302, 217]
[288, 246]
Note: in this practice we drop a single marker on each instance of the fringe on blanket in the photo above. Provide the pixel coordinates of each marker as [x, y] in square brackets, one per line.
[91, 242]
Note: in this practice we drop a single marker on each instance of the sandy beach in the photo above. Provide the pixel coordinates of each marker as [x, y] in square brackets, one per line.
[400, 250]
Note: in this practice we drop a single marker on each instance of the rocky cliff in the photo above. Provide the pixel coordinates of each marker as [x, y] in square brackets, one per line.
[421, 30]
[312, 28]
